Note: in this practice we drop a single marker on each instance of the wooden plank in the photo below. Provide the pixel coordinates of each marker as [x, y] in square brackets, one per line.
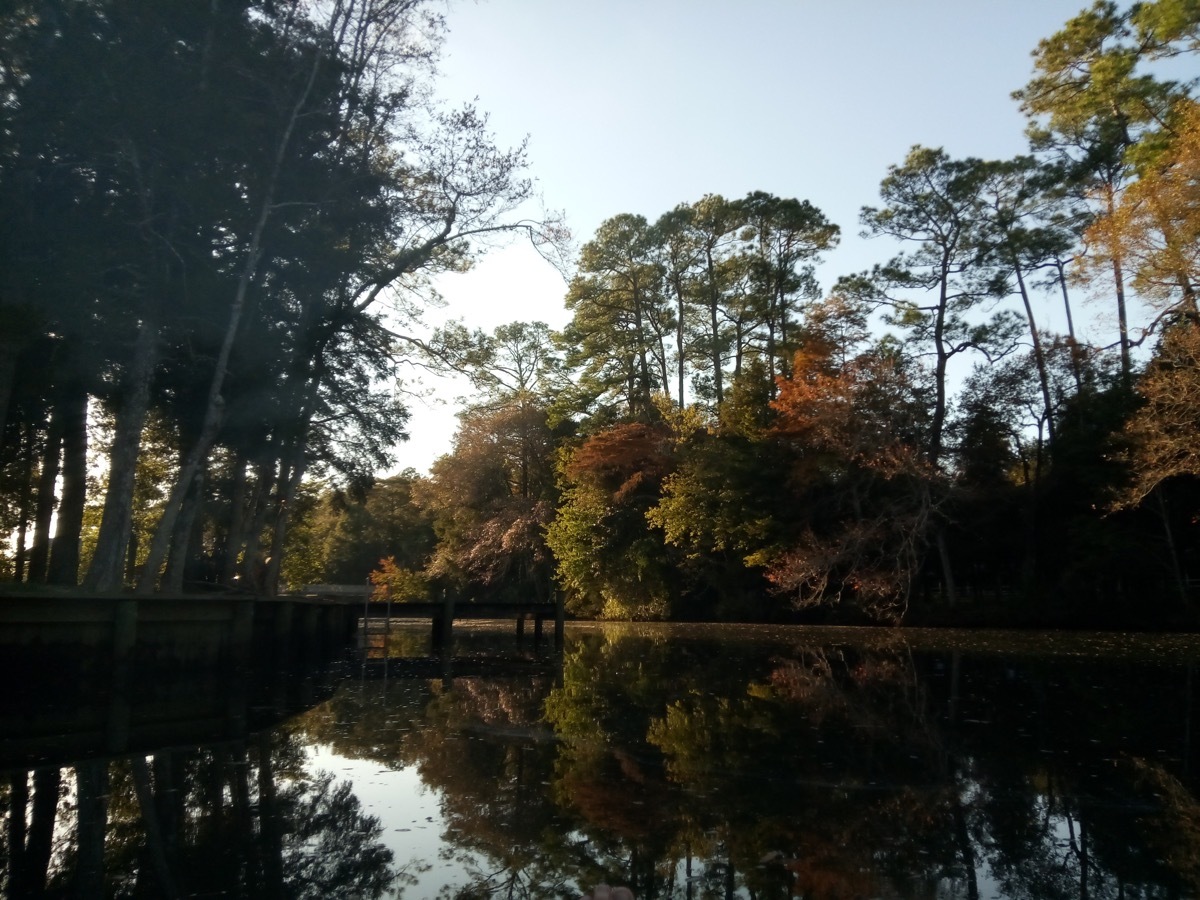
[336, 590]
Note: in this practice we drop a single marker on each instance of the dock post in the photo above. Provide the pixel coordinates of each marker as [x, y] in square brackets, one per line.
[520, 625]
[366, 628]
[387, 631]
[537, 629]
[443, 622]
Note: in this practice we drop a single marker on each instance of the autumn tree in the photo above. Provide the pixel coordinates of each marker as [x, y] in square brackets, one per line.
[724, 506]
[1091, 99]
[491, 499]
[494, 494]
[860, 472]
[610, 561]
[1163, 430]
[1155, 223]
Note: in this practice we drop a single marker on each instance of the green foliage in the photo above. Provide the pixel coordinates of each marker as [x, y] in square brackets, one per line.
[339, 539]
[609, 560]
[723, 498]
[621, 320]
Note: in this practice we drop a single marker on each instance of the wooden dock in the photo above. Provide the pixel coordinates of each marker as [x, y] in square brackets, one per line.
[114, 632]
[102, 675]
[441, 615]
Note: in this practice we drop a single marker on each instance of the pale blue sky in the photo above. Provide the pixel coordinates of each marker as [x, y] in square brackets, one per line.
[637, 105]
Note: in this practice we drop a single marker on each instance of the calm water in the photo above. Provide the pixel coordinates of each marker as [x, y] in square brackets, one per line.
[685, 762]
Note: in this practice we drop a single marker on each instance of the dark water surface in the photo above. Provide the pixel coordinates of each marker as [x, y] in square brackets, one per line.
[686, 762]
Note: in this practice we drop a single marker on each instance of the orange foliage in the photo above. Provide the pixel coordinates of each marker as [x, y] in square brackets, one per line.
[394, 582]
[624, 459]
[854, 412]
[857, 443]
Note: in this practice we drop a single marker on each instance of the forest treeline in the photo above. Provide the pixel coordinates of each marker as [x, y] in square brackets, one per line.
[711, 436]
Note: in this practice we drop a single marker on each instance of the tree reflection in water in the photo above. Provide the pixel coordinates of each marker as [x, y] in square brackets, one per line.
[708, 768]
[248, 821]
[685, 765]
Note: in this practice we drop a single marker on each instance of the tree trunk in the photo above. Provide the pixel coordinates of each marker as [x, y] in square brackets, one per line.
[1073, 345]
[1039, 357]
[740, 349]
[1123, 322]
[235, 535]
[267, 478]
[643, 365]
[249, 847]
[10, 350]
[940, 365]
[1176, 568]
[1080, 849]
[947, 569]
[64, 549]
[182, 542]
[131, 556]
[24, 508]
[1119, 284]
[105, 571]
[679, 342]
[771, 351]
[785, 362]
[279, 535]
[43, 514]
[714, 304]
[289, 484]
[268, 821]
[966, 850]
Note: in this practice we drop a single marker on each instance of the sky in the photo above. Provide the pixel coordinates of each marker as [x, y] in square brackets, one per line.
[634, 106]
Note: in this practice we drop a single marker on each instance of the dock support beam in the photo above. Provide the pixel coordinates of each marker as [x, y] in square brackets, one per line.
[443, 622]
